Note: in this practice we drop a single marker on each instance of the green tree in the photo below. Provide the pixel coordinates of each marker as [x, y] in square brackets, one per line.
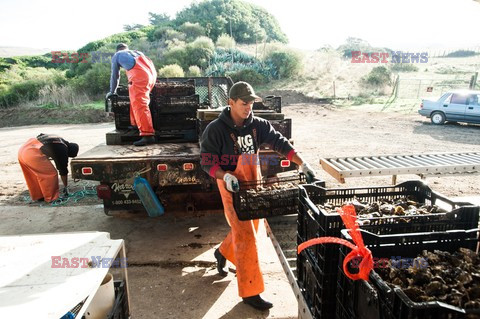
[194, 70]
[244, 19]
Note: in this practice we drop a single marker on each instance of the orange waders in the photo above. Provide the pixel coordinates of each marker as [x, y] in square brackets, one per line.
[40, 174]
[240, 245]
[141, 80]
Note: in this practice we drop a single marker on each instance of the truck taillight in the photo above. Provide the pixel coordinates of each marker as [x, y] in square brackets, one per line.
[188, 166]
[285, 163]
[162, 167]
[104, 191]
[87, 171]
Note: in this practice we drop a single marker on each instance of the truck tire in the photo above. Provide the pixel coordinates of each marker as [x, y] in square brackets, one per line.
[437, 118]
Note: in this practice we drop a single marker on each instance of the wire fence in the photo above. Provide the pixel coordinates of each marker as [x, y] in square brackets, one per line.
[426, 88]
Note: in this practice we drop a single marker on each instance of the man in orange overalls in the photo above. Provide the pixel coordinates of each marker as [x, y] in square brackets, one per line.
[141, 80]
[227, 147]
[39, 173]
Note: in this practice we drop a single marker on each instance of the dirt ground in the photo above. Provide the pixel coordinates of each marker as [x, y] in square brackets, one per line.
[168, 277]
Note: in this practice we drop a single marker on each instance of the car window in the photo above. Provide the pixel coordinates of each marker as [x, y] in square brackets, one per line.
[476, 99]
[459, 99]
[447, 100]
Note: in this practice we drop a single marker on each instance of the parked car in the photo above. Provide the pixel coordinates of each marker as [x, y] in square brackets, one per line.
[454, 106]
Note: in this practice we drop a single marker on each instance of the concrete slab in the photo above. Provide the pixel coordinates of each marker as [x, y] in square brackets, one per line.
[171, 270]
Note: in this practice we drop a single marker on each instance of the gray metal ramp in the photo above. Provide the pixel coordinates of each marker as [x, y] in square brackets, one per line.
[419, 164]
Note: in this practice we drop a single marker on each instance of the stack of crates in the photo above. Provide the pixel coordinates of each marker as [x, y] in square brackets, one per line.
[173, 107]
[121, 108]
[376, 299]
[318, 266]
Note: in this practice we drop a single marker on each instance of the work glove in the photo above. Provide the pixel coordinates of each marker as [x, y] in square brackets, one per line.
[109, 95]
[308, 171]
[232, 182]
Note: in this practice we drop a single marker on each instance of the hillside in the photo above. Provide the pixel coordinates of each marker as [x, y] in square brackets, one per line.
[6, 52]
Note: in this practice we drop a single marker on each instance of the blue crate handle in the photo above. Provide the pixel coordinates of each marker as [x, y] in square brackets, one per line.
[148, 197]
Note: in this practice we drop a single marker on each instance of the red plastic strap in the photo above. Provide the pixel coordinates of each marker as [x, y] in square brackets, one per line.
[349, 217]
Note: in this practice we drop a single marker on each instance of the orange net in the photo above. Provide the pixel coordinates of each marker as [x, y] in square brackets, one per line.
[349, 217]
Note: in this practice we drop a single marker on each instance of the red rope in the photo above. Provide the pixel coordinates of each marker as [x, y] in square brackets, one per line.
[349, 217]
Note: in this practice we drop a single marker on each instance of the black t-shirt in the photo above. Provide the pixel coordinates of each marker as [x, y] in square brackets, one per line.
[56, 148]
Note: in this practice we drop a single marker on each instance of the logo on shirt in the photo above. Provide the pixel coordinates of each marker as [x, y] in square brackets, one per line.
[246, 144]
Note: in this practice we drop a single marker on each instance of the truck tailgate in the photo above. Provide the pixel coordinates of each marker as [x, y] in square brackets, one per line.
[113, 163]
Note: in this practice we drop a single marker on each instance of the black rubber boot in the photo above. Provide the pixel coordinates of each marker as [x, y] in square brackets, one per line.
[258, 303]
[150, 139]
[221, 262]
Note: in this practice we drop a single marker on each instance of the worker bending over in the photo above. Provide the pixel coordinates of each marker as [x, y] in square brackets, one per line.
[227, 147]
[141, 80]
[40, 175]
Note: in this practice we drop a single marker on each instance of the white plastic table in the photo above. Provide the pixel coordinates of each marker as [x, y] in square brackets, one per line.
[30, 287]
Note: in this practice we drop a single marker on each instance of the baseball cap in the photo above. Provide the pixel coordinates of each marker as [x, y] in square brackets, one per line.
[122, 46]
[244, 91]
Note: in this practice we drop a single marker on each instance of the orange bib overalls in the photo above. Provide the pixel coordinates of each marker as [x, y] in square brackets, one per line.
[141, 80]
[240, 245]
[40, 174]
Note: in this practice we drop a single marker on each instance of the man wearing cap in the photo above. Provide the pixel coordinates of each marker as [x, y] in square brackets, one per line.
[141, 80]
[227, 147]
[39, 173]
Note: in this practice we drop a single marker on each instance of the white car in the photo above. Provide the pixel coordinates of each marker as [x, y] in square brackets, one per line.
[454, 106]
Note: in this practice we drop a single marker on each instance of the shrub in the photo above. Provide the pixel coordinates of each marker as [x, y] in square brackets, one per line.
[95, 81]
[287, 62]
[403, 67]
[248, 75]
[199, 52]
[193, 71]
[192, 30]
[378, 77]
[176, 55]
[225, 41]
[171, 71]
[461, 53]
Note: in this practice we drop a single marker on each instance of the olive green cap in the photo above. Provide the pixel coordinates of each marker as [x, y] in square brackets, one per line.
[244, 91]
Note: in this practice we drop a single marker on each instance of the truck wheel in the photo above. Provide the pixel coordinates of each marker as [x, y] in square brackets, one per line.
[437, 118]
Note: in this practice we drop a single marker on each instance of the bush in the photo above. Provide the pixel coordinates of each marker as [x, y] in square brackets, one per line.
[95, 81]
[194, 71]
[171, 71]
[176, 55]
[378, 77]
[199, 52]
[287, 62]
[403, 67]
[248, 75]
[225, 41]
[192, 30]
[461, 53]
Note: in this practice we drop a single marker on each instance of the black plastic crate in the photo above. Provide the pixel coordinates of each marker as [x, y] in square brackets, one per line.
[122, 121]
[375, 299]
[174, 88]
[316, 222]
[180, 121]
[120, 308]
[176, 104]
[266, 203]
[270, 102]
[317, 287]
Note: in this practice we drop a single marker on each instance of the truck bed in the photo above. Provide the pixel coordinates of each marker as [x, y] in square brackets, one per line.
[124, 152]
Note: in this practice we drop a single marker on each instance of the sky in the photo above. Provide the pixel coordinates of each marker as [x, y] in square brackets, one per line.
[309, 24]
